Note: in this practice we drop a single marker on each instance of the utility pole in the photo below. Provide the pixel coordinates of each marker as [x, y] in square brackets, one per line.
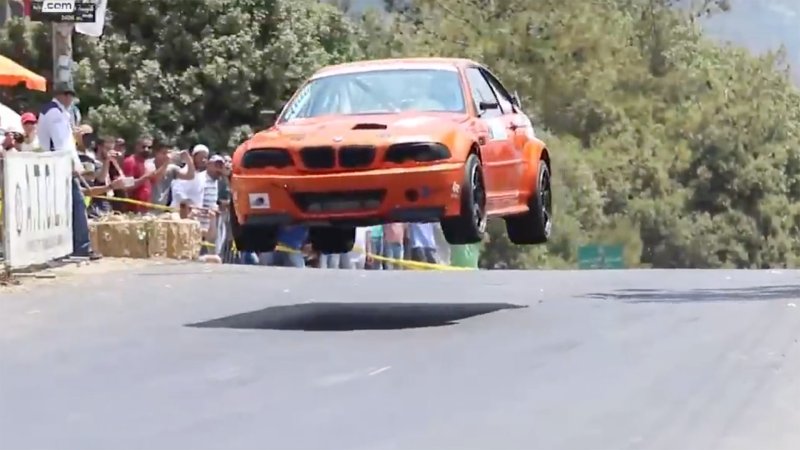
[62, 52]
[62, 62]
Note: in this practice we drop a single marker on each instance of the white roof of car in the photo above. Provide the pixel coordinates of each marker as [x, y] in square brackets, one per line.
[343, 70]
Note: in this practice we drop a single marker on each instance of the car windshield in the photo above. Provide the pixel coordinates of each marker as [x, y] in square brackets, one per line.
[378, 92]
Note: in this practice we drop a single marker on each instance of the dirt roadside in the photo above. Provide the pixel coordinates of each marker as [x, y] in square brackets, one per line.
[72, 272]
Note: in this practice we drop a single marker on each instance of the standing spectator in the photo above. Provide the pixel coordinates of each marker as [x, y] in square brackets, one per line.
[200, 194]
[294, 238]
[166, 172]
[393, 237]
[225, 243]
[214, 172]
[223, 205]
[55, 133]
[121, 148]
[90, 165]
[31, 142]
[188, 194]
[107, 171]
[85, 140]
[374, 246]
[335, 261]
[134, 166]
[200, 155]
[356, 256]
[9, 141]
[423, 242]
[116, 153]
[12, 140]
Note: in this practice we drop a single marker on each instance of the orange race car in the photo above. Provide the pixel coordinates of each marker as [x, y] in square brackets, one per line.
[400, 140]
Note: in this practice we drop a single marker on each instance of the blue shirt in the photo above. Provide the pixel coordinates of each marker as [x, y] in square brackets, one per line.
[293, 236]
[421, 235]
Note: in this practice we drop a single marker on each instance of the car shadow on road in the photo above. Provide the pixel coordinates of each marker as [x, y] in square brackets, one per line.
[748, 294]
[354, 316]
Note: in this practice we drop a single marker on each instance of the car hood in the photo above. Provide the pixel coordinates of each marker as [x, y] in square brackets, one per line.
[373, 129]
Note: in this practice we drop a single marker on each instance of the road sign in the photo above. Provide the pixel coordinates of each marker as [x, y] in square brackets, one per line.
[595, 256]
[67, 11]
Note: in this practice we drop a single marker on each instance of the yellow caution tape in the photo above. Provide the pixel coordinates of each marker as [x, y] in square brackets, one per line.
[134, 202]
[400, 262]
[280, 247]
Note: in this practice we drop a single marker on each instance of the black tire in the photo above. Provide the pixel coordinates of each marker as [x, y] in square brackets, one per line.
[470, 226]
[332, 240]
[535, 226]
[252, 238]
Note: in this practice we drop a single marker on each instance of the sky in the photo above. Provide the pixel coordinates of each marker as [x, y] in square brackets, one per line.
[758, 25]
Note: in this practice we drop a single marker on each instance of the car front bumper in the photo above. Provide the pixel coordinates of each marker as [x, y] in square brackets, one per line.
[408, 194]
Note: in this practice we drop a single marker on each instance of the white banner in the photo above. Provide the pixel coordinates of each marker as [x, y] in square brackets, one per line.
[37, 214]
[95, 28]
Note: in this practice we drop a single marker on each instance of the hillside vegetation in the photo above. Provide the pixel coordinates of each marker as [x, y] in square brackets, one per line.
[761, 25]
[686, 152]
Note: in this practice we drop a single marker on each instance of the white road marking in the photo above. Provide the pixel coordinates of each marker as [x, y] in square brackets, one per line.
[345, 377]
[381, 370]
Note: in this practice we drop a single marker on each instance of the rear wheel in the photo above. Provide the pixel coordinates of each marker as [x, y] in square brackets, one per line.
[332, 240]
[252, 238]
[469, 226]
[535, 226]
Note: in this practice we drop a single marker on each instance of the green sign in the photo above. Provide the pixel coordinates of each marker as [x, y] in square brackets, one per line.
[596, 256]
[465, 255]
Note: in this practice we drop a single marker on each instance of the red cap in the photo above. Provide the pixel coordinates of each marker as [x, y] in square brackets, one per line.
[28, 117]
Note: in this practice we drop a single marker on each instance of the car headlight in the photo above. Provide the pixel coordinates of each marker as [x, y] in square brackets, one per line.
[260, 158]
[417, 152]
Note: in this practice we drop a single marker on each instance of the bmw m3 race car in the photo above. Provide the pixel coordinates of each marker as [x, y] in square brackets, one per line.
[398, 140]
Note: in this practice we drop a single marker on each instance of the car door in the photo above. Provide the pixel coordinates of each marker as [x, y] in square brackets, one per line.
[518, 125]
[496, 148]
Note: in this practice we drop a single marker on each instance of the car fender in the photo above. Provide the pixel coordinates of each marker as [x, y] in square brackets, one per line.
[460, 143]
[534, 153]
[236, 157]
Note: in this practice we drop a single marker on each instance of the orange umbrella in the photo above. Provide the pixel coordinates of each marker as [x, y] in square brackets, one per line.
[12, 74]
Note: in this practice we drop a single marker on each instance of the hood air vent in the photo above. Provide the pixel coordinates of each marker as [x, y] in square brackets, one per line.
[370, 126]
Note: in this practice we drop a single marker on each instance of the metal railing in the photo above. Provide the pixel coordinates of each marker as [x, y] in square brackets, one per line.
[2, 213]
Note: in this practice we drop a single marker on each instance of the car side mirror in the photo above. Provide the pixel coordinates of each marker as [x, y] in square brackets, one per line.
[268, 117]
[483, 106]
[515, 100]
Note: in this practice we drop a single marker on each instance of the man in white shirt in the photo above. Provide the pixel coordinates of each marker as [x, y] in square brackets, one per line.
[56, 133]
[191, 192]
[55, 123]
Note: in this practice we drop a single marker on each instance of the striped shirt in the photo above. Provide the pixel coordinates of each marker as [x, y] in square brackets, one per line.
[210, 196]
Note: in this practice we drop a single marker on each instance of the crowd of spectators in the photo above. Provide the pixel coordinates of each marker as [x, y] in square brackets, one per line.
[152, 177]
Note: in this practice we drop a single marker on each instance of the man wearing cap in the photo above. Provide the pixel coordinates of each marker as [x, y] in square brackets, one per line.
[31, 142]
[189, 193]
[55, 134]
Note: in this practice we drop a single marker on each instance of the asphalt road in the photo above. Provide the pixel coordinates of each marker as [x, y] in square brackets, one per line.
[215, 357]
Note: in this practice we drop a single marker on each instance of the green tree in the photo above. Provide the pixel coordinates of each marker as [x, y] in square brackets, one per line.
[195, 70]
[683, 150]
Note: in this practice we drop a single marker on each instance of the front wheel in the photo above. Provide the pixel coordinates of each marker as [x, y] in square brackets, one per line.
[469, 226]
[251, 238]
[535, 226]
